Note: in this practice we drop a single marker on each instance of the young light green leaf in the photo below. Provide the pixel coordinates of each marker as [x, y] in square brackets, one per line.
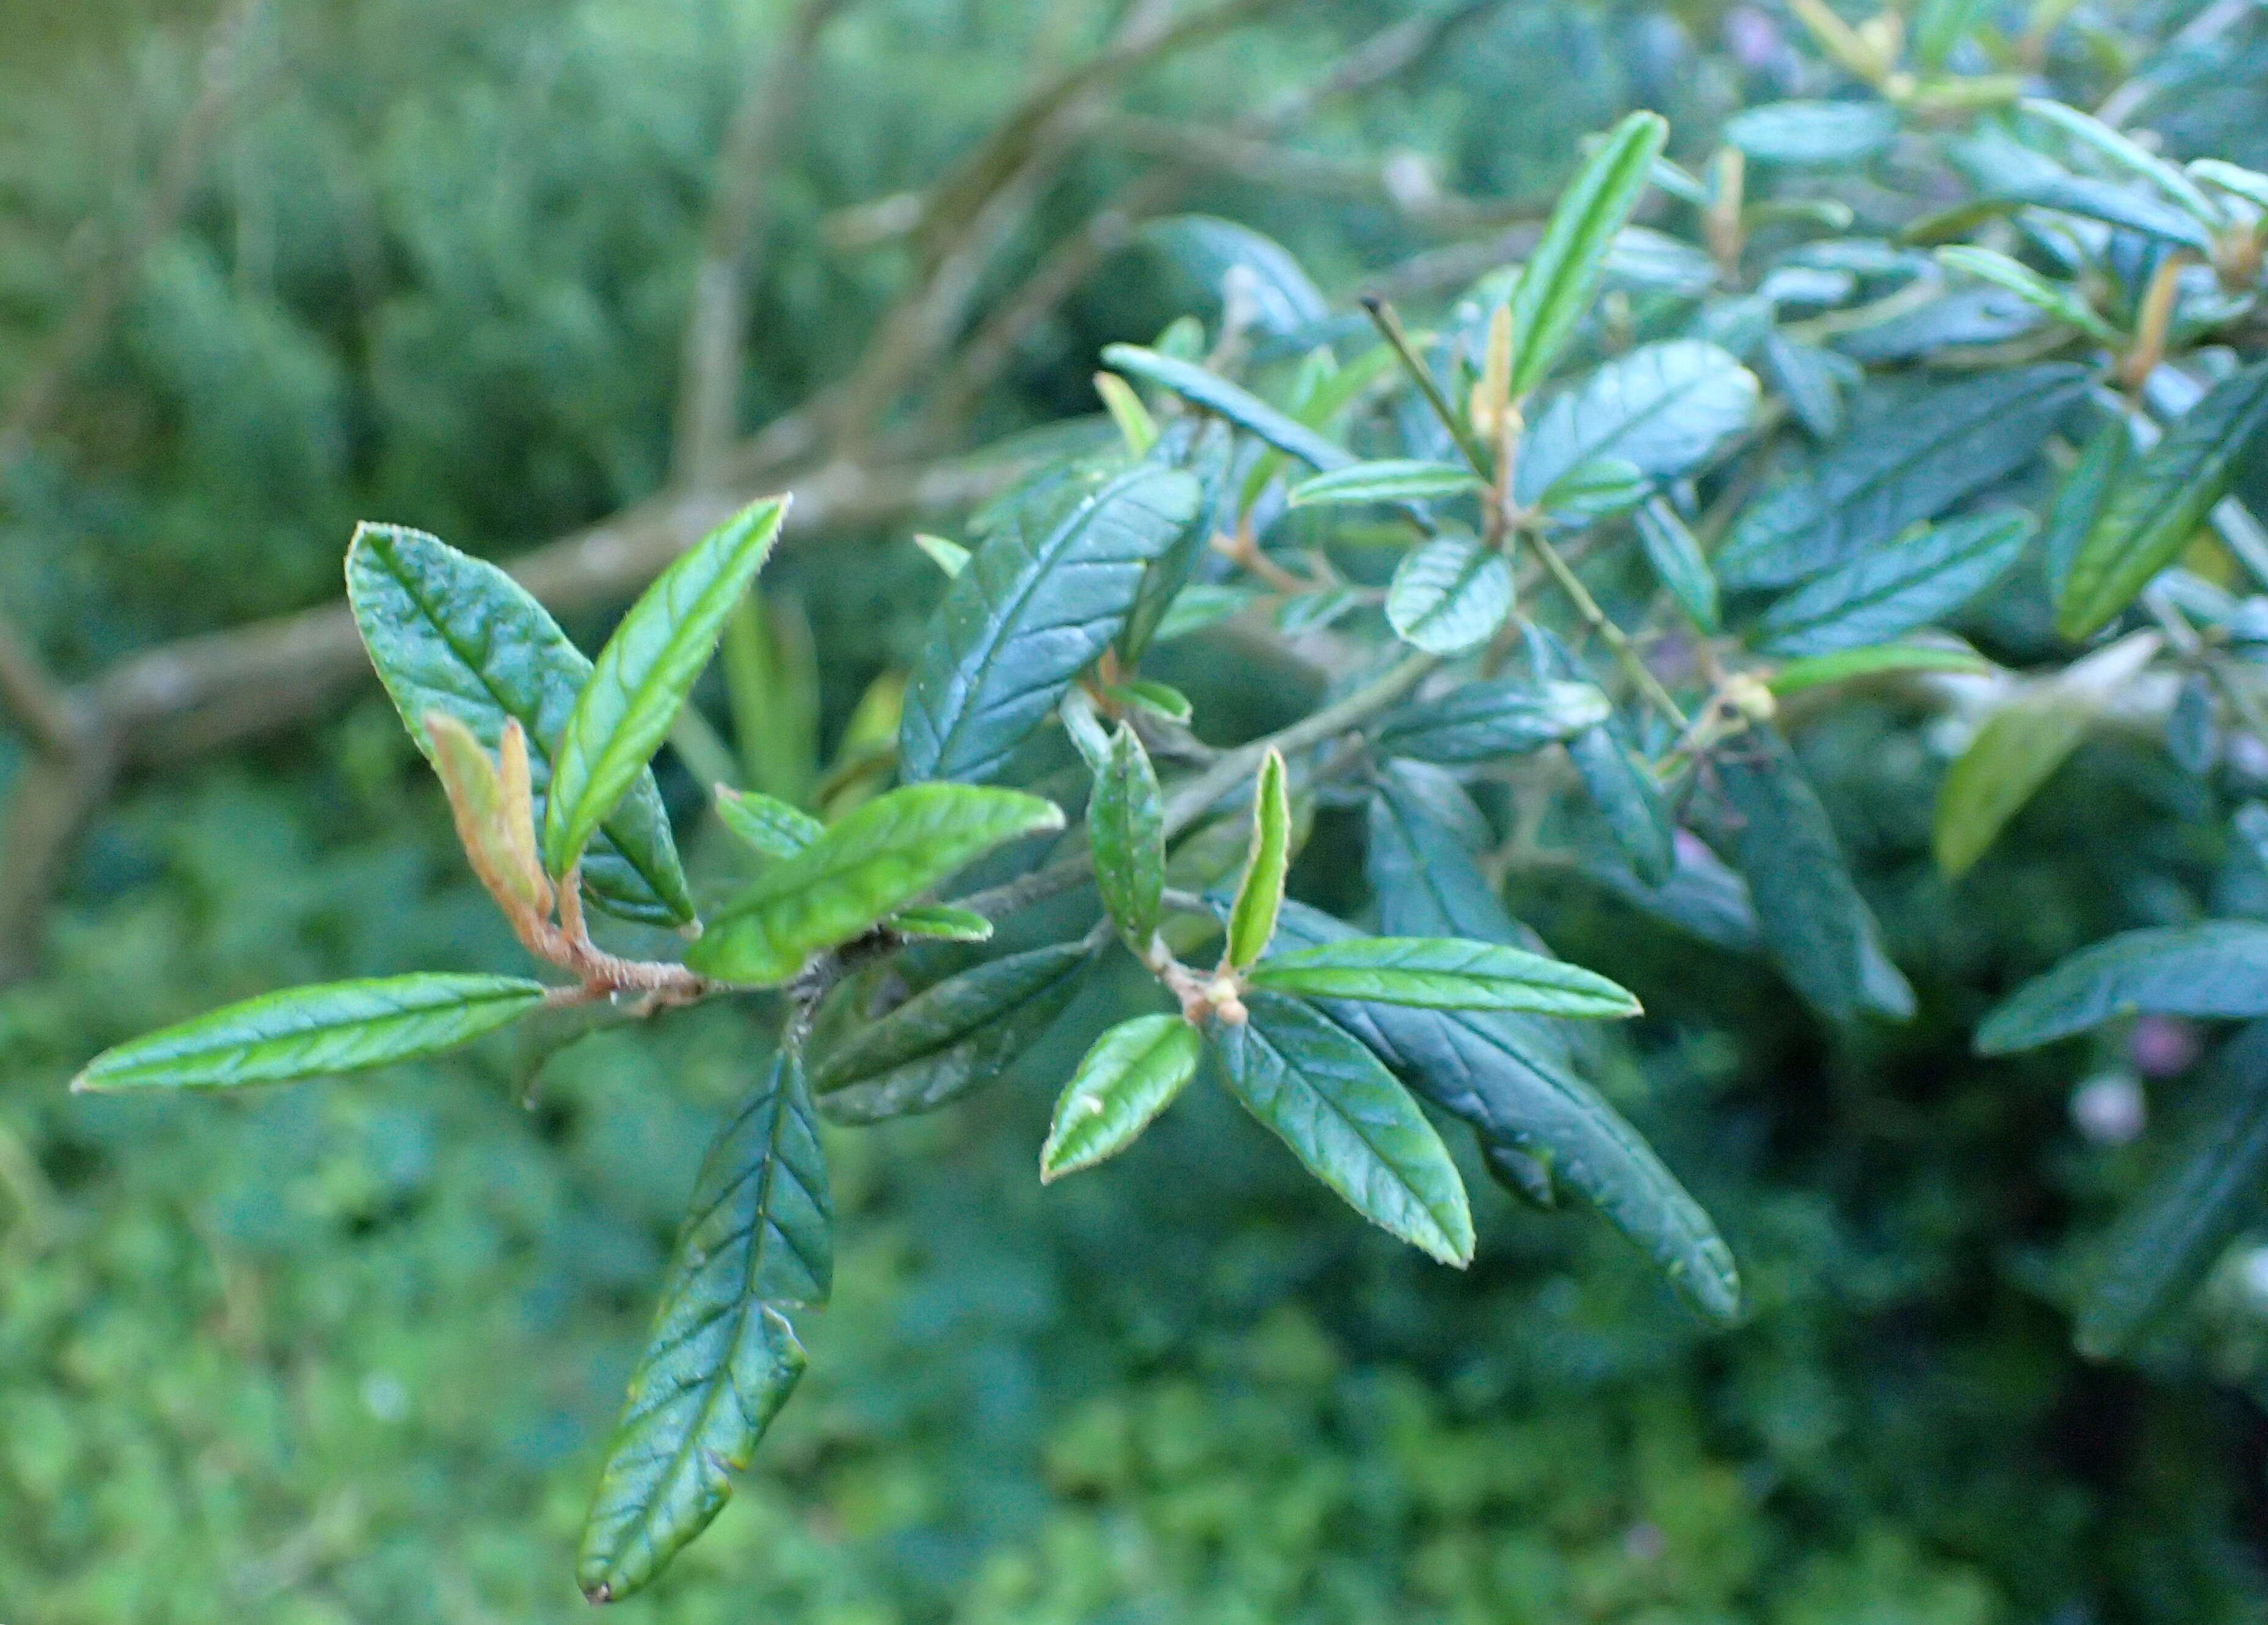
[1439, 973]
[1562, 276]
[453, 634]
[1849, 664]
[1126, 824]
[878, 859]
[937, 923]
[643, 675]
[1511, 1077]
[338, 1026]
[2082, 496]
[2067, 305]
[949, 1040]
[1260, 894]
[1895, 589]
[1395, 479]
[1132, 1074]
[1678, 561]
[2123, 150]
[1216, 394]
[771, 688]
[721, 1359]
[766, 822]
[2237, 181]
[2160, 501]
[1028, 613]
[949, 557]
[2009, 758]
[1911, 452]
[2216, 968]
[1159, 699]
[492, 803]
[1817, 927]
[1663, 409]
[1202, 605]
[2207, 1191]
[1136, 426]
[2004, 168]
[1489, 718]
[1341, 1112]
[1449, 593]
[1813, 135]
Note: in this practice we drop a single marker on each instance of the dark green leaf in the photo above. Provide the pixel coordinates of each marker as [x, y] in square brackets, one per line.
[1126, 824]
[949, 1040]
[1912, 453]
[722, 1358]
[1252, 921]
[1216, 394]
[2208, 1190]
[2067, 305]
[1343, 1114]
[1029, 613]
[1284, 299]
[1561, 278]
[2003, 167]
[1817, 927]
[1489, 718]
[1449, 593]
[1421, 867]
[338, 1026]
[451, 634]
[1703, 898]
[879, 858]
[1620, 783]
[1678, 562]
[2082, 496]
[643, 675]
[1440, 973]
[1811, 380]
[1131, 1075]
[1895, 589]
[1662, 409]
[766, 822]
[2159, 500]
[1509, 1076]
[1594, 490]
[1206, 450]
[2217, 967]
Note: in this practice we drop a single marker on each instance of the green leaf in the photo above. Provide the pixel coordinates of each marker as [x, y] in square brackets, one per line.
[1216, 394]
[1284, 298]
[877, 860]
[1136, 426]
[1852, 663]
[1206, 449]
[1912, 453]
[1439, 972]
[2004, 168]
[766, 822]
[2207, 1191]
[1260, 894]
[1509, 1076]
[2082, 496]
[1620, 783]
[1897, 588]
[721, 1359]
[1343, 1114]
[1813, 135]
[2011, 756]
[1816, 926]
[2160, 500]
[452, 634]
[1159, 699]
[2237, 181]
[2106, 143]
[937, 923]
[771, 688]
[643, 675]
[1811, 380]
[492, 801]
[1662, 409]
[1126, 824]
[1678, 562]
[949, 557]
[1561, 278]
[2217, 967]
[338, 1026]
[1489, 718]
[1396, 480]
[1449, 593]
[2067, 305]
[949, 1040]
[1199, 605]
[1422, 829]
[1029, 613]
[1594, 490]
[1131, 1075]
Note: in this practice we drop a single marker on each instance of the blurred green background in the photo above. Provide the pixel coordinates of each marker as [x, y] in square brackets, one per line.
[349, 1352]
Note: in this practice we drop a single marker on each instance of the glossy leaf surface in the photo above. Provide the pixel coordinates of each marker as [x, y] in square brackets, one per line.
[1890, 590]
[1132, 1073]
[1561, 278]
[1396, 481]
[1240, 407]
[1252, 920]
[766, 822]
[1481, 720]
[1443, 974]
[1662, 409]
[1126, 826]
[1449, 593]
[2216, 968]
